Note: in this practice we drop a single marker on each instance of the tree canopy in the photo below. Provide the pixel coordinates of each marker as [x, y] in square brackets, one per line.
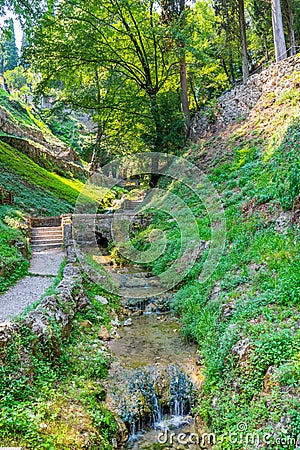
[143, 68]
[8, 50]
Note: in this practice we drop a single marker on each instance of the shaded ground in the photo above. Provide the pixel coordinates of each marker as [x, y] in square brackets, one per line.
[28, 290]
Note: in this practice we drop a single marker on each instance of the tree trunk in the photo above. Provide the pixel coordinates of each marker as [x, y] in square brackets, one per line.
[278, 31]
[265, 44]
[185, 104]
[243, 40]
[225, 68]
[291, 28]
[194, 93]
[230, 56]
[158, 144]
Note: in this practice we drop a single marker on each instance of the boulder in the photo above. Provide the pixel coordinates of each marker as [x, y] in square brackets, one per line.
[128, 323]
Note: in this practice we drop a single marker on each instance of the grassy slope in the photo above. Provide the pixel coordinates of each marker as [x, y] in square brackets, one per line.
[13, 264]
[26, 117]
[253, 297]
[36, 191]
[35, 188]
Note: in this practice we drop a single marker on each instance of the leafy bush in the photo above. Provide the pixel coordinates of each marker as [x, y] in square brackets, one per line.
[12, 264]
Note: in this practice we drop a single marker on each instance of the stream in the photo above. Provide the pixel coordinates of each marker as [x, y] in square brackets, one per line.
[154, 377]
[153, 381]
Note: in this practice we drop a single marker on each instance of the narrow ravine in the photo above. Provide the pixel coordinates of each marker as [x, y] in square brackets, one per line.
[154, 379]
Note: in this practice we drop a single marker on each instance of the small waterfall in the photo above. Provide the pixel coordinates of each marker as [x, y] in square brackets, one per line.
[155, 398]
[181, 392]
[143, 383]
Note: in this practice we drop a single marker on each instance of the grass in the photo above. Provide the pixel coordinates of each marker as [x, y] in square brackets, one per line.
[254, 293]
[59, 404]
[19, 163]
[26, 117]
[13, 265]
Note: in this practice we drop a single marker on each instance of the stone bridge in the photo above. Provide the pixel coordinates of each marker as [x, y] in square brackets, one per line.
[89, 228]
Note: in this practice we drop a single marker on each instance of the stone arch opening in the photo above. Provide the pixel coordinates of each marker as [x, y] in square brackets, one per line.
[102, 240]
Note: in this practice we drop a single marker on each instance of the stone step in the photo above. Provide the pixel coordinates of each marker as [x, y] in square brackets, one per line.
[45, 229]
[48, 246]
[46, 241]
[47, 236]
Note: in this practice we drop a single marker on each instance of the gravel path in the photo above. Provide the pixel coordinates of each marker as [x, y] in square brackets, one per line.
[46, 262]
[45, 266]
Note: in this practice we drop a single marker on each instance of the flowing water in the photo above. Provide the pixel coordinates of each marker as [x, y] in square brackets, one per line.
[153, 381]
[154, 378]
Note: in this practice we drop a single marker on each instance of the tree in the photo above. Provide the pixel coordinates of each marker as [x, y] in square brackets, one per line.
[289, 19]
[122, 42]
[9, 51]
[245, 62]
[261, 16]
[173, 15]
[278, 31]
[226, 13]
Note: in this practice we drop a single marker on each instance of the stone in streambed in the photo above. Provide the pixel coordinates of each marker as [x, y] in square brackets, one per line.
[103, 334]
[86, 324]
[116, 322]
[128, 323]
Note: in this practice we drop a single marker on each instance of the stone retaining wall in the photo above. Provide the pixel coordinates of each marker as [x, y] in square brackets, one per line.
[51, 321]
[87, 224]
[239, 101]
[45, 158]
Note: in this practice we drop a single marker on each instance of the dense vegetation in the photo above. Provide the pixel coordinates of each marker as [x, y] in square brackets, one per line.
[58, 402]
[13, 263]
[245, 317]
[142, 69]
[137, 72]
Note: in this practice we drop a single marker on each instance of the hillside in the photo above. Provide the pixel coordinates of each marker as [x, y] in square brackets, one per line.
[21, 126]
[41, 172]
[245, 319]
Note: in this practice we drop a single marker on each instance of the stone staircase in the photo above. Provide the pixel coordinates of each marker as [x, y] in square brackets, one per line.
[45, 238]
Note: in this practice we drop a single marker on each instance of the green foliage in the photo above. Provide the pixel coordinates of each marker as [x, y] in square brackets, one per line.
[13, 265]
[19, 163]
[127, 77]
[254, 294]
[16, 111]
[19, 79]
[31, 198]
[70, 131]
[8, 49]
[45, 402]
